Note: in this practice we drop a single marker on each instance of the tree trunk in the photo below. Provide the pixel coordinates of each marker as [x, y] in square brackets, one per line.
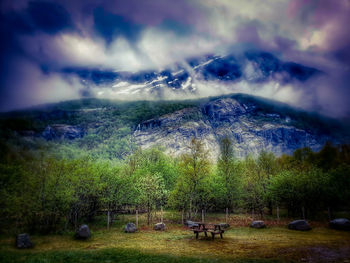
[190, 212]
[329, 213]
[76, 220]
[108, 219]
[182, 217]
[226, 215]
[202, 215]
[270, 208]
[161, 214]
[278, 213]
[303, 211]
[137, 218]
[66, 223]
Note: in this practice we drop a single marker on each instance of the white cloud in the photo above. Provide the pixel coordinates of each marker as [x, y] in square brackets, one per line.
[30, 86]
[157, 48]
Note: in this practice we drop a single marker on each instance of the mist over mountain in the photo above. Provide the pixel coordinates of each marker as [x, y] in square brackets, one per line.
[293, 51]
[198, 77]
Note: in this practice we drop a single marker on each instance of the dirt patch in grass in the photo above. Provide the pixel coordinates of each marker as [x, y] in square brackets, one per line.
[318, 254]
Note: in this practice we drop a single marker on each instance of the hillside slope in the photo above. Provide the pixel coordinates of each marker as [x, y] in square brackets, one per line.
[113, 129]
[251, 131]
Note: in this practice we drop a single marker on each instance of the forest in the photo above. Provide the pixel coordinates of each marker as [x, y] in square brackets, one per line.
[47, 193]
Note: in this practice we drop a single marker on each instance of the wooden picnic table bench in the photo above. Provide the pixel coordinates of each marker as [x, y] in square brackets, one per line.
[203, 227]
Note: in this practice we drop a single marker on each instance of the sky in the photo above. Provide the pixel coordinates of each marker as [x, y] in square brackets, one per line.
[43, 42]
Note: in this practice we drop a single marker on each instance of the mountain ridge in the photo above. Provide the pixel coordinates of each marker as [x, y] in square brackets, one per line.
[250, 131]
[116, 128]
[193, 76]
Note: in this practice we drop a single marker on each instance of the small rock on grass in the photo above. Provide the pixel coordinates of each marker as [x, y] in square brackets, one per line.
[159, 227]
[340, 224]
[191, 224]
[224, 225]
[130, 228]
[83, 232]
[23, 241]
[301, 225]
[258, 224]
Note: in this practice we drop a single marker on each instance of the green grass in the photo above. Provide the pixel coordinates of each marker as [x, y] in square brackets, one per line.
[240, 244]
[107, 255]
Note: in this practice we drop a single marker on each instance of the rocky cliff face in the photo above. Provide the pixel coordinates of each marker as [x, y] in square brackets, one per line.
[250, 132]
[62, 131]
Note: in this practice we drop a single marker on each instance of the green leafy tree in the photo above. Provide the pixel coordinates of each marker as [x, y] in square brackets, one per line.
[155, 160]
[194, 168]
[267, 169]
[253, 189]
[151, 192]
[117, 188]
[302, 192]
[228, 171]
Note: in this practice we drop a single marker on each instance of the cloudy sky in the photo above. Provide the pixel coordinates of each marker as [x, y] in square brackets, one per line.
[43, 42]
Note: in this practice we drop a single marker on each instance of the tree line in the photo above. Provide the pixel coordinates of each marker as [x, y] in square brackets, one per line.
[41, 193]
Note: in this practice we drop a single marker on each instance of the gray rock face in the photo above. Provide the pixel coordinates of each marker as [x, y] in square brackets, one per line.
[300, 225]
[340, 224]
[23, 241]
[159, 227]
[250, 132]
[83, 232]
[258, 224]
[130, 228]
[224, 110]
[62, 131]
[175, 131]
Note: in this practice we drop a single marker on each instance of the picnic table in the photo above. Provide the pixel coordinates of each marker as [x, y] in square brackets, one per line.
[213, 229]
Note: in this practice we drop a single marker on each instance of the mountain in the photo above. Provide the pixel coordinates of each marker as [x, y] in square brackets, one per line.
[250, 129]
[113, 129]
[184, 78]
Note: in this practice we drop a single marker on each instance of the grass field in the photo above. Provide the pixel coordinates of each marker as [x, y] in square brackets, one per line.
[240, 244]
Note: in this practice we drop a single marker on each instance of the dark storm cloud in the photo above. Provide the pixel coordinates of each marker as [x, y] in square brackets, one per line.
[110, 25]
[37, 16]
[154, 12]
[57, 50]
[328, 18]
[49, 17]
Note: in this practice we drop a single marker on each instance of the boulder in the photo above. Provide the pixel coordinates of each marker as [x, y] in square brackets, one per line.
[130, 228]
[258, 224]
[340, 224]
[83, 232]
[23, 241]
[159, 226]
[300, 225]
[191, 224]
[224, 225]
